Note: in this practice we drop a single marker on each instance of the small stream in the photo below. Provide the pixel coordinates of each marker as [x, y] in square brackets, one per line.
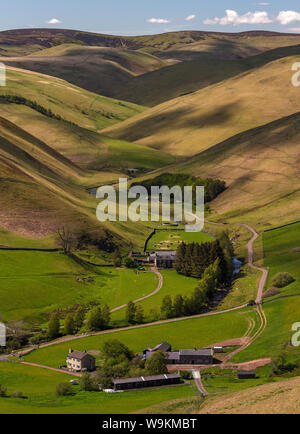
[237, 264]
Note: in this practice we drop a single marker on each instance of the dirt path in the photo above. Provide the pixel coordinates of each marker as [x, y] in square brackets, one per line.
[121, 329]
[259, 308]
[36, 365]
[198, 382]
[264, 276]
[158, 288]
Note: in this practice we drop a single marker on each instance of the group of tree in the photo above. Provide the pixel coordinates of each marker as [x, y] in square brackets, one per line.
[118, 361]
[212, 187]
[134, 313]
[98, 318]
[95, 319]
[199, 299]
[193, 259]
[70, 239]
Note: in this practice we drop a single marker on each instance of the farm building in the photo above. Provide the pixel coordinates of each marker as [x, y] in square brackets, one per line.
[80, 361]
[164, 346]
[182, 357]
[165, 259]
[246, 375]
[143, 382]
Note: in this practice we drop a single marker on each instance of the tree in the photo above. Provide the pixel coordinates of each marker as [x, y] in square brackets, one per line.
[94, 320]
[67, 240]
[157, 364]
[53, 326]
[69, 325]
[64, 389]
[129, 263]
[139, 314]
[86, 382]
[130, 312]
[105, 315]
[117, 258]
[178, 306]
[114, 348]
[166, 307]
[79, 318]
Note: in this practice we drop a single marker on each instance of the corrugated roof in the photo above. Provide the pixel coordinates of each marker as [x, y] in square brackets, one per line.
[164, 346]
[143, 379]
[204, 352]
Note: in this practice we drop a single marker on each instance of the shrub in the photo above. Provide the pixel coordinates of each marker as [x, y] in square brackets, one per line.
[64, 389]
[18, 394]
[87, 383]
[3, 391]
[271, 292]
[280, 280]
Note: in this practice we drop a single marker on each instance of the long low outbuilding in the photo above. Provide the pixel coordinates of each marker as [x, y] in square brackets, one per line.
[147, 381]
[186, 357]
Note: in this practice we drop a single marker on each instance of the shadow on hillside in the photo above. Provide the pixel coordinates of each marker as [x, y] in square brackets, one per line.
[178, 118]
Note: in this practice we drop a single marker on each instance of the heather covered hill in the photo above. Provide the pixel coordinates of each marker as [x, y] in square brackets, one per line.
[228, 45]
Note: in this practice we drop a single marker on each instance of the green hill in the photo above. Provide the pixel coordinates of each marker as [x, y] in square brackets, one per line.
[64, 100]
[261, 170]
[192, 123]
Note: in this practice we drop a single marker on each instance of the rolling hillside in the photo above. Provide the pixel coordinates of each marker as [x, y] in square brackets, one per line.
[66, 101]
[103, 70]
[192, 123]
[274, 398]
[67, 118]
[136, 76]
[183, 45]
[261, 169]
[40, 189]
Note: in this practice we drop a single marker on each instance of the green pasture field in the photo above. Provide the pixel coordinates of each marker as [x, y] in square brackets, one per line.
[282, 254]
[35, 283]
[188, 333]
[173, 284]
[169, 240]
[39, 385]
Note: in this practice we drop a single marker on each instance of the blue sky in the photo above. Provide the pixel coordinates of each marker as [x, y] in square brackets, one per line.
[136, 17]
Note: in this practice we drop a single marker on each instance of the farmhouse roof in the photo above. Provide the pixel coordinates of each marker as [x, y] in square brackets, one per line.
[79, 355]
[167, 254]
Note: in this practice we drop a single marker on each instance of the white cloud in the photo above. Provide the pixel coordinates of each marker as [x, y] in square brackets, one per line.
[233, 18]
[264, 4]
[53, 21]
[295, 29]
[288, 17]
[190, 17]
[158, 20]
